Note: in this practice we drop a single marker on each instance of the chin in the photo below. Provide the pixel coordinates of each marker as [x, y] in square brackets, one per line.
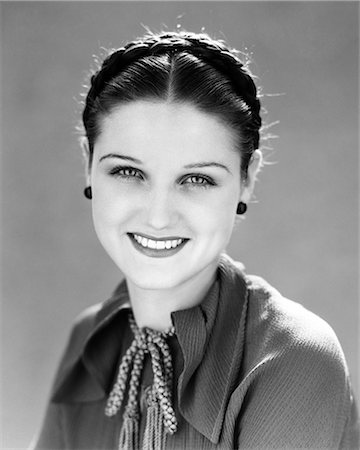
[151, 281]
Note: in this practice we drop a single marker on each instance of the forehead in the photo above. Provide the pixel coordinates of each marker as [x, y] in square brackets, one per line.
[161, 129]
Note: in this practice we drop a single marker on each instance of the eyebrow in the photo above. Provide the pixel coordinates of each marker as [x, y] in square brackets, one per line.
[124, 157]
[207, 164]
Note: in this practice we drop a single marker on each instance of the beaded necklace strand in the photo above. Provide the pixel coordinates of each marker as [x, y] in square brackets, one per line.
[160, 418]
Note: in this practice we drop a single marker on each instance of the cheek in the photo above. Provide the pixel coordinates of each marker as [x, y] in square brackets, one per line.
[112, 199]
[110, 209]
[216, 217]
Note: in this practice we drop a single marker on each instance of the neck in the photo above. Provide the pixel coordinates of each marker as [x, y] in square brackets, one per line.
[152, 308]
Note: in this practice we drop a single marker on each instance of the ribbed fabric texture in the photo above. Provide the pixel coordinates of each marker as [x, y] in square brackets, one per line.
[252, 369]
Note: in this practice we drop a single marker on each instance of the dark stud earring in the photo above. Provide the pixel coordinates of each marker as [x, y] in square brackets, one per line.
[88, 193]
[241, 208]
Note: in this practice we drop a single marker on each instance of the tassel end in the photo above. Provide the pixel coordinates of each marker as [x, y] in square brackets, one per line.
[129, 434]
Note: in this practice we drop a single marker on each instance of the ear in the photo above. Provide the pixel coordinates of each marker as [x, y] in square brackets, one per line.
[247, 185]
[84, 143]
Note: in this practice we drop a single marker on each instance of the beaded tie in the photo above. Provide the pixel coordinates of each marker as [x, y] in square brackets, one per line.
[160, 414]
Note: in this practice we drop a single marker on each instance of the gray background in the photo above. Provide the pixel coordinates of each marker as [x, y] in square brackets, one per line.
[300, 234]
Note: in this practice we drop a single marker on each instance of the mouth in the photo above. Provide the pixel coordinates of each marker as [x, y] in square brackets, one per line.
[157, 247]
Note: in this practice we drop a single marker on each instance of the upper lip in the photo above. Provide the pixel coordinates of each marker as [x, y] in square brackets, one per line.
[155, 238]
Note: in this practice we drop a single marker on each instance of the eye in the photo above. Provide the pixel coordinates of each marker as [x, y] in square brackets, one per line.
[199, 180]
[125, 172]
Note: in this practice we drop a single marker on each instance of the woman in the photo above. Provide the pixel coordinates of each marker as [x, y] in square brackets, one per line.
[189, 352]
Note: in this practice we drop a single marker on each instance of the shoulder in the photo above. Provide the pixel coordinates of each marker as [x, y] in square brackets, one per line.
[276, 325]
[297, 348]
[285, 322]
[82, 327]
[93, 334]
[294, 378]
[90, 321]
[96, 317]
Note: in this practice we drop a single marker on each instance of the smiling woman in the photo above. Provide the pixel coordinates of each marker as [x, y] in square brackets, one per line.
[190, 352]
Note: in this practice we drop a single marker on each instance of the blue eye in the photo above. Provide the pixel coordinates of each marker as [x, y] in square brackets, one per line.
[125, 172]
[199, 180]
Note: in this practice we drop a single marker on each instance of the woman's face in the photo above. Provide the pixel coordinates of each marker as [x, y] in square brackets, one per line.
[165, 182]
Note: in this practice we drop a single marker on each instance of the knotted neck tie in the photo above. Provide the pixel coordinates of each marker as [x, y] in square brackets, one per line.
[160, 419]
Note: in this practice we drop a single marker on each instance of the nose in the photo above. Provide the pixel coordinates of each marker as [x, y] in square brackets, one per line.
[160, 209]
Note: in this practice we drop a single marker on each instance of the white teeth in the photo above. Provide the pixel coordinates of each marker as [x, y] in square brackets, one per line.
[151, 243]
[158, 245]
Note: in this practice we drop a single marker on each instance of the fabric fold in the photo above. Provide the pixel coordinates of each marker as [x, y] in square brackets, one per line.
[204, 340]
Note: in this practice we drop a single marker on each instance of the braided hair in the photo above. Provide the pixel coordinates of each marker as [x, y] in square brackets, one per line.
[178, 67]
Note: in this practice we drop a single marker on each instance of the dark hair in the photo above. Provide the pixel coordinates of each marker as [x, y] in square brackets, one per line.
[178, 67]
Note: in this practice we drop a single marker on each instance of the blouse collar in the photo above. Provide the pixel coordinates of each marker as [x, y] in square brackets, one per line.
[215, 327]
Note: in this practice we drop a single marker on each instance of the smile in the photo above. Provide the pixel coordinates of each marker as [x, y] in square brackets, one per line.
[157, 247]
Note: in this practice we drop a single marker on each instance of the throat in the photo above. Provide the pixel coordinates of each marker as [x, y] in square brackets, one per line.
[153, 308]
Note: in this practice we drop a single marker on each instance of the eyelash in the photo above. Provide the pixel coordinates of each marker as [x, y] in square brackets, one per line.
[130, 173]
[116, 172]
[204, 183]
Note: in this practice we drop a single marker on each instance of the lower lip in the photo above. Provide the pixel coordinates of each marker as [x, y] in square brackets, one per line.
[156, 253]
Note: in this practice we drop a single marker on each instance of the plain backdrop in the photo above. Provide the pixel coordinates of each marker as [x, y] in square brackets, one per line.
[300, 233]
